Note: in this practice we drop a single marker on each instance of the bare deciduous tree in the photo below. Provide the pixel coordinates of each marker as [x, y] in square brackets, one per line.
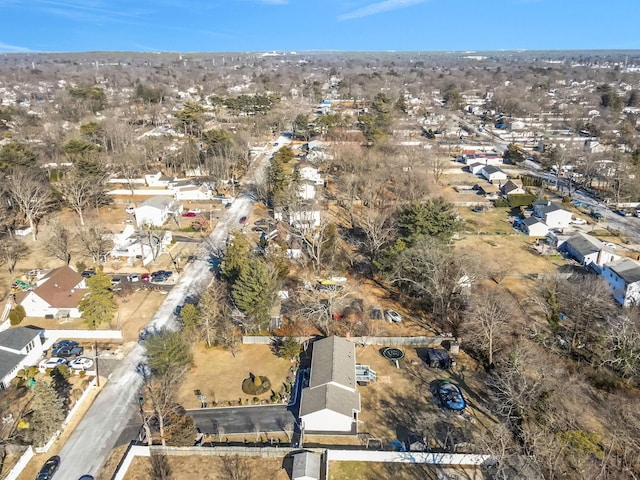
[11, 251]
[379, 230]
[59, 241]
[94, 241]
[31, 195]
[80, 191]
[486, 320]
[160, 392]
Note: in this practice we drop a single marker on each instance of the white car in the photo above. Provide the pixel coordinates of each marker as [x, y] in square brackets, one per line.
[133, 277]
[130, 210]
[612, 246]
[52, 362]
[197, 211]
[81, 363]
[578, 221]
[392, 316]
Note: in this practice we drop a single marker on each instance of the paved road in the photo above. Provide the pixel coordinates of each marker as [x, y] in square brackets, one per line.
[99, 430]
[266, 418]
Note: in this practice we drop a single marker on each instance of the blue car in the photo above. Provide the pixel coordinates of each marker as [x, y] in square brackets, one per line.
[449, 395]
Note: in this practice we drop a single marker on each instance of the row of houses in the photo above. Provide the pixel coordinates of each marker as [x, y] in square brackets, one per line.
[622, 274]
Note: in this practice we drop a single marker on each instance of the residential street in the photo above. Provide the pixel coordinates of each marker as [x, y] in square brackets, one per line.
[96, 434]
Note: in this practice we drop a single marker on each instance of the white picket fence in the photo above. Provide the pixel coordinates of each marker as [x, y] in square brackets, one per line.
[21, 464]
[407, 457]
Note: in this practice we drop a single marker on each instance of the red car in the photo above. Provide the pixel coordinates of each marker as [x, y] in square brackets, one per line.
[189, 214]
[145, 277]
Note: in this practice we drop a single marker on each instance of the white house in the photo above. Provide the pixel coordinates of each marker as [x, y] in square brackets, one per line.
[20, 347]
[512, 187]
[56, 294]
[148, 246]
[305, 217]
[623, 277]
[493, 173]
[534, 227]
[157, 180]
[191, 192]
[552, 214]
[310, 173]
[306, 191]
[588, 250]
[331, 403]
[475, 168]
[156, 210]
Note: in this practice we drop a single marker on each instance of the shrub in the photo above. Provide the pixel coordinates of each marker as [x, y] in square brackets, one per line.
[521, 199]
[17, 314]
[256, 385]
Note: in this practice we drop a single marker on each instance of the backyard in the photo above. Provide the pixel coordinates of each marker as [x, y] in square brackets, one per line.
[218, 374]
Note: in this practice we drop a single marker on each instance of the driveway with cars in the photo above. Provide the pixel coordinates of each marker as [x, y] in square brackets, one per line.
[96, 434]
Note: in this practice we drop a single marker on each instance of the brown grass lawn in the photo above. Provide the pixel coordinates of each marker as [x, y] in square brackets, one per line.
[507, 254]
[495, 220]
[401, 399]
[203, 467]
[218, 374]
[400, 471]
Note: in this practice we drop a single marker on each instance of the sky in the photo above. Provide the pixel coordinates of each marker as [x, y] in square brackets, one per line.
[300, 25]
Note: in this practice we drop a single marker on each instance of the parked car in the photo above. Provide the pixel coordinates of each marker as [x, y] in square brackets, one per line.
[64, 343]
[191, 258]
[159, 279]
[167, 273]
[392, 316]
[220, 195]
[145, 277]
[116, 281]
[228, 205]
[595, 214]
[52, 362]
[449, 395]
[578, 221]
[622, 213]
[157, 273]
[81, 363]
[612, 246]
[88, 273]
[49, 468]
[68, 352]
[133, 277]
[197, 211]
[243, 220]
[130, 210]
[86, 477]
[189, 214]
[177, 310]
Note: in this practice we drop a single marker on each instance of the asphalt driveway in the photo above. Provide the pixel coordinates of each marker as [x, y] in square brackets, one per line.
[249, 419]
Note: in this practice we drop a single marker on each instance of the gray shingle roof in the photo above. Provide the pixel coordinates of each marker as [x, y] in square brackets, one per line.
[332, 384]
[329, 397]
[8, 362]
[584, 244]
[334, 360]
[17, 338]
[626, 269]
[489, 169]
[529, 221]
[306, 465]
[159, 201]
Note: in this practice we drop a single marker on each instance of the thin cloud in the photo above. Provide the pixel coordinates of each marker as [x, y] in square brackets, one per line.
[379, 7]
[6, 48]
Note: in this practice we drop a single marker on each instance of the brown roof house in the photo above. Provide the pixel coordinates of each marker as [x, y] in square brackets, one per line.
[331, 403]
[56, 295]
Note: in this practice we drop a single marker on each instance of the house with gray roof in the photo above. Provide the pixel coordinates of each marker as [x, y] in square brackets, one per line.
[19, 347]
[331, 403]
[534, 227]
[157, 210]
[492, 173]
[552, 214]
[588, 250]
[623, 277]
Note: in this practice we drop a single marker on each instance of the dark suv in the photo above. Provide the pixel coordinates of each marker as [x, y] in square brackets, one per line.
[49, 468]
